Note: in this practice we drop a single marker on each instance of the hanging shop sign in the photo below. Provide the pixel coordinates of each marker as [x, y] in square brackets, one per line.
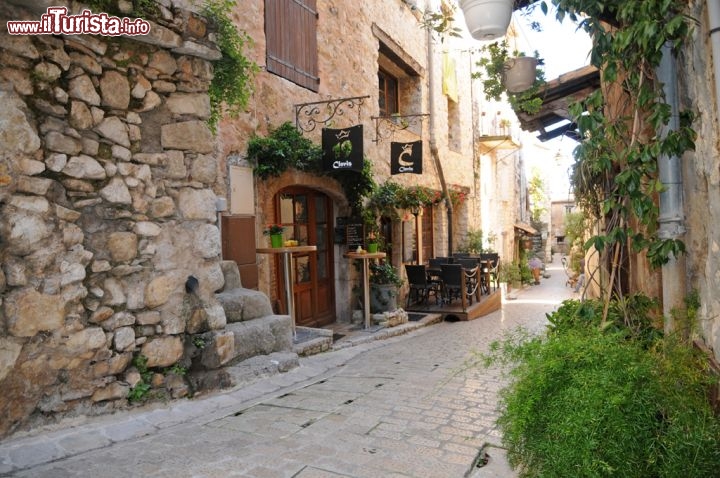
[343, 148]
[406, 157]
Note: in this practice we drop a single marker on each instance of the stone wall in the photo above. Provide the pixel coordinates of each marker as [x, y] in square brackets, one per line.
[701, 178]
[108, 183]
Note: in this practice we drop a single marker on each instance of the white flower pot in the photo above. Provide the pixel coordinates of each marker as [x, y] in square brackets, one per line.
[487, 19]
[519, 74]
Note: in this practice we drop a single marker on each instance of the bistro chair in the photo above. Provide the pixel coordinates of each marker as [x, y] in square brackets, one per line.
[420, 285]
[453, 282]
[491, 261]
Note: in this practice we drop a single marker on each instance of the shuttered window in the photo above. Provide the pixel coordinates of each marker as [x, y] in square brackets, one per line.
[291, 35]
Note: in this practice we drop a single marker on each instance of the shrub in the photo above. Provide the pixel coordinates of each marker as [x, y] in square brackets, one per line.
[586, 402]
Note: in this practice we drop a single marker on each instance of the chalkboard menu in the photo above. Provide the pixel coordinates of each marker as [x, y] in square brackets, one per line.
[355, 235]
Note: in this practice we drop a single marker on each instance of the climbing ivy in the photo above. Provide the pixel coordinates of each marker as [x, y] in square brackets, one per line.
[285, 147]
[615, 176]
[233, 73]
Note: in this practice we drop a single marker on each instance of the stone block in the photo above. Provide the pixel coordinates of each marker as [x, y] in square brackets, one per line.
[115, 90]
[197, 204]
[232, 275]
[158, 290]
[9, 352]
[272, 333]
[114, 391]
[195, 104]
[219, 351]
[187, 135]
[163, 351]
[244, 304]
[122, 246]
[28, 312]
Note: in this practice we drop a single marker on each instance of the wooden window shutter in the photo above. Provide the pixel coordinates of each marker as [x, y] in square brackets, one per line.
[291, 35]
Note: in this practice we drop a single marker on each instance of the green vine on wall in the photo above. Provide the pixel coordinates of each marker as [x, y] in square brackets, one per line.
[233, 73]
[615, 176]
[285, 147]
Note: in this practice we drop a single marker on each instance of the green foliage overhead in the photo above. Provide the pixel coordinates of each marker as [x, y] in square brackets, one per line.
[283, 148]
[231, 85]
[615, 176]
[492, 70]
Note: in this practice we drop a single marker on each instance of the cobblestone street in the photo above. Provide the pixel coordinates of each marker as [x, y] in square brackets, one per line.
[409, 406]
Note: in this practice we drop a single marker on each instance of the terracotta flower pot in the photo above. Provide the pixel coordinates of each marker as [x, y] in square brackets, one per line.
[487, 19]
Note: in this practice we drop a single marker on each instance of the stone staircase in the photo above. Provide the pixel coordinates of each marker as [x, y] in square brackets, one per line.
[254, 343]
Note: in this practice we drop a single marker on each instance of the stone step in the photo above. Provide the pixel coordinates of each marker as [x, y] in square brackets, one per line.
[245, 372]
[311, 341]
[261, 336]
[244, 304]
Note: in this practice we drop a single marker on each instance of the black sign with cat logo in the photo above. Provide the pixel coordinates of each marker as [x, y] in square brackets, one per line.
[406, 157]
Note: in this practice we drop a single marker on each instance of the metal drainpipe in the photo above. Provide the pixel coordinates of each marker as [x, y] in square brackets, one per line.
[433, 145]
[671, 219]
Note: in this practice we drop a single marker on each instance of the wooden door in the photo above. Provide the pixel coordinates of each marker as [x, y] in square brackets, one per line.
[306, 215]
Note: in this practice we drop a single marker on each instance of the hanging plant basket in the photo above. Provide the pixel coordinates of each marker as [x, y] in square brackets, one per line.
[487, 19]
[519, 74]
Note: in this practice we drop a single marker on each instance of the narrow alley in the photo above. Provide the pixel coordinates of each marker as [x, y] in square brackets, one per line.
[410, 406]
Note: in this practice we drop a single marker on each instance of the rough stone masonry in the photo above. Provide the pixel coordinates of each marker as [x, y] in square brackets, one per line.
[108, 186]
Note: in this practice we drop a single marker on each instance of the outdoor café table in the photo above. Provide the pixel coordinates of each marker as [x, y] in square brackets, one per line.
[287, 262]
[365, 258]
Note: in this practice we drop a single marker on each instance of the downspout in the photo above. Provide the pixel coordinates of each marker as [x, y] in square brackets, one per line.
[433, 144]
[671, 218]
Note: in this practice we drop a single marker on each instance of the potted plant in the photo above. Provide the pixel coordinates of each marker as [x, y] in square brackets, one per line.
[513, 73]
[509, 273]
[372, 242]
[384, 284]
[275, 231]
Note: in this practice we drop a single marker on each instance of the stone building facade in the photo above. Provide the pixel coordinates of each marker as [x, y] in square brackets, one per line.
[355, 43]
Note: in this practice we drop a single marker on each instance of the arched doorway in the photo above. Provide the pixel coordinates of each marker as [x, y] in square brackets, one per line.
[307, 217]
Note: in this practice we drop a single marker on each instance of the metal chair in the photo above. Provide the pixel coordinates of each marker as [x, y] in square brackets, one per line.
[453, 282]
[420, 285]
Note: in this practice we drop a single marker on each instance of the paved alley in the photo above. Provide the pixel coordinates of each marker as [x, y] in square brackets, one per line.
[409, 406]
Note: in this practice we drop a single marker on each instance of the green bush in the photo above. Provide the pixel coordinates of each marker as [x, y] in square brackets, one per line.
[584, 402]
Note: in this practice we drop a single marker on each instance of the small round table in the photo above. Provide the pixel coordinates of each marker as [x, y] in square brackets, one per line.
[287, 260]
[365, 257]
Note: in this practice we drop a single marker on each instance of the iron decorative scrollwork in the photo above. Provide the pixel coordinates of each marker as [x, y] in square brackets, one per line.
[309, 115]
[386, 126]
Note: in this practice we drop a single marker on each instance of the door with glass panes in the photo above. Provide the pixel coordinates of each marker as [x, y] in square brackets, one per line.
[306, 215]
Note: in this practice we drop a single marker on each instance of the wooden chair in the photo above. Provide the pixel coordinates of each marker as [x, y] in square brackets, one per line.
[420, 285]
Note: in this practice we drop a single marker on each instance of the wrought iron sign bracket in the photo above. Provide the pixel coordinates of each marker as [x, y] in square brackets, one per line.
[386, 126]
[309, 115]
